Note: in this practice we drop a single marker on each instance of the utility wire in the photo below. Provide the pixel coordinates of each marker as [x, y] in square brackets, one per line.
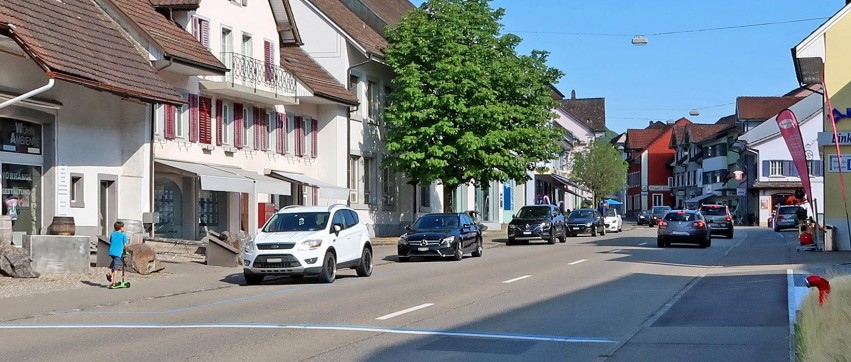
[670, 32]
[670, 109]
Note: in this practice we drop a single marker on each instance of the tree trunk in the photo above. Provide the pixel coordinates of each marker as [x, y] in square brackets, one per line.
[449, 198]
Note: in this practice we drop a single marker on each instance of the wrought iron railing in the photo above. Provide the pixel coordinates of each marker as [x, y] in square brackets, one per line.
[257, 73]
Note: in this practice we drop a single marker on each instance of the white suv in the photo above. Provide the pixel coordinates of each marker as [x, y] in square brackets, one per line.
[309, 240]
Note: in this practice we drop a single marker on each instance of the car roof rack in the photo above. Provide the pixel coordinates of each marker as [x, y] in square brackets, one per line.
[290, 207]
[337, 204]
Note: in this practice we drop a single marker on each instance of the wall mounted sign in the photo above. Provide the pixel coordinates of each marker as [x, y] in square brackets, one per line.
[826, 138]
[833, 163]
[20, 136]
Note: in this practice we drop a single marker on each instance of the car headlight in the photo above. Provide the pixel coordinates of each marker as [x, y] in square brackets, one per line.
[545, 225]
[403, 240]
[447, 240]
[249, 247]
[512, 227]
[588, 224]
[312, 244]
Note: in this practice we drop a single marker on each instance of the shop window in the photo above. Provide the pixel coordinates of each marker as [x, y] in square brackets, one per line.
[425, 196]
[21, 188]
[77, 197]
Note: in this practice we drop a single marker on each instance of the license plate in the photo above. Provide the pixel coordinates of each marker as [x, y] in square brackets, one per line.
[274, 260]
[574, 227]
[422, 249]
[527, 233]
[679, 233]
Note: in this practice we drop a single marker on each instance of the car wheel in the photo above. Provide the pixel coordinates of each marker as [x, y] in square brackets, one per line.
[364, 269]
[510, 241]
[329, 269]
[252, 279]
[730, 235]
[705, 243]
[552, 239]
[660, 244]
[479, 249]
[459, 252]
[563, 238]
[403, 259]
[594, 231]
[620, 227]
[603, 231]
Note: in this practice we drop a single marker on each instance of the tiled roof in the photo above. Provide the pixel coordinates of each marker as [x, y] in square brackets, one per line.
[81, 44]
[657, 125]
[702, 132]
[181, 4]
[639, 139]
[731, 119]
[361, 32]
[762, 108]
[300, 64]
[777, 185]
[174, 40]
[390, 11]
[592, 111]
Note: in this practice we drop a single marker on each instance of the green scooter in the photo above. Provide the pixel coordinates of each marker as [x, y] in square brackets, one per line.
[123, 283]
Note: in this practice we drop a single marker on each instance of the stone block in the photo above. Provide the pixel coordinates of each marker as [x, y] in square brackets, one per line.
[221, 253]
[57, 253]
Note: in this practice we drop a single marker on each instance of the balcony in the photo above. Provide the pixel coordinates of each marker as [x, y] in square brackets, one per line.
[253, 79]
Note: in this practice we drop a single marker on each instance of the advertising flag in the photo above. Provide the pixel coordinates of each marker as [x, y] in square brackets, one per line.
[792, 135]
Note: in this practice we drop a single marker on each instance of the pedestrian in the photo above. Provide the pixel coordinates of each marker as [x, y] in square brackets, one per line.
[11, 204]
[546, 200]
[116, 250]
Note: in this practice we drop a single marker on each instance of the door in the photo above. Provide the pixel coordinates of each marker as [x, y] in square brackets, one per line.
[107, 204]
[468, 231]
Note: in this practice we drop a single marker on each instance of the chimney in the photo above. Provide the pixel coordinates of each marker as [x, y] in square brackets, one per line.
[573, 91]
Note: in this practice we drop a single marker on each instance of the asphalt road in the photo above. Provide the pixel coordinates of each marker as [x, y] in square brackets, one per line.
[615, 297]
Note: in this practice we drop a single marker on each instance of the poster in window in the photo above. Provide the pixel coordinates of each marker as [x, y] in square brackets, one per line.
[20, 136]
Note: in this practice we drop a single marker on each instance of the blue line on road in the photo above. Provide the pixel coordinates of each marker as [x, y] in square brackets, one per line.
[331, 327]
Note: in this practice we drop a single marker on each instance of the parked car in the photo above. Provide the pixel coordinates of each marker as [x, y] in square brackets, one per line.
[656, 214]
[719, 219]
[613, 221]
[786, 217]
[585, 221]
[535, 222]
[683, 226]
[441, 236]
[309, 241]
[644, 218]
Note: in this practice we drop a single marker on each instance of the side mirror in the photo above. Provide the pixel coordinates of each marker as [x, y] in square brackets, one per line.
[407, 227]
[336, 228]
[467, 226]
[259, 231]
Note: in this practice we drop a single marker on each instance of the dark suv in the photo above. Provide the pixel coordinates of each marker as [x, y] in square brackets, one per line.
[719, 219]
[535, 222]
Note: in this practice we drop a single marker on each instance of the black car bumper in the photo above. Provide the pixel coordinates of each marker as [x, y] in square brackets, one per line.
[536, 233]
[580, 229]
[721, 227]
[439, 251]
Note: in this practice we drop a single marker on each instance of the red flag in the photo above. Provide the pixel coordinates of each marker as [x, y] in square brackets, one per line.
[792, 135]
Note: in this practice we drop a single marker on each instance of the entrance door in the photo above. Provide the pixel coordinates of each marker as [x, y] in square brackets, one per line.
[107, 204]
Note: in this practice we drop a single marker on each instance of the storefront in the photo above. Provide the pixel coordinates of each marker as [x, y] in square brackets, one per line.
[21, 164]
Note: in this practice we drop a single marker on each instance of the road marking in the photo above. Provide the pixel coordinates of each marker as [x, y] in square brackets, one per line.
[644, 243]
[780, 235]
[516, 279]
[615, 251]
[577, 262]
[427, 332]
[409, 310]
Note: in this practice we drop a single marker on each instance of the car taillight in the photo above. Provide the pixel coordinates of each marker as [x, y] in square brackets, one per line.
[728, 218]
[780, 217]
[699, 224]
[662, 223]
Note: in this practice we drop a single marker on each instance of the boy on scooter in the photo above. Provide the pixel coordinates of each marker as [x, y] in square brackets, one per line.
[116, 249]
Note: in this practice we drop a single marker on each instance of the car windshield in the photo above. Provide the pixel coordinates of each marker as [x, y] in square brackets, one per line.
[713, 210]
[533, 212]
[297, 221]
[581, 214]
[675, 216]
[612, 213]
[787, 210]
[436, 222]
[661, 209]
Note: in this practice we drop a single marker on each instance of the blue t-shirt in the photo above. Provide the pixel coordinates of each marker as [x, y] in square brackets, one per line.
[116, 243]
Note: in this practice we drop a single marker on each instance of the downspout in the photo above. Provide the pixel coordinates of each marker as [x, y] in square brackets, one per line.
[50, 82]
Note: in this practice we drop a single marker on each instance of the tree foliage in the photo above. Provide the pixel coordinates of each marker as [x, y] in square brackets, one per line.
[600, 168]
[465, 107]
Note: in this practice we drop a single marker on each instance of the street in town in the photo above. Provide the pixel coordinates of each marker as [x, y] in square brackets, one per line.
[617, 297]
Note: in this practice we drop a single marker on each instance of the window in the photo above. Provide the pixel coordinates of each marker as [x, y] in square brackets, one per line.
[247, 46]
[248, 121]
[159, 125]
[373, 100]
[77, 190]
[657, 200]
[308, 135]
[776, 168]
[368, 180]
[353, 84]
[388, 187]
[425, 196]
[354, 162]
[291, 134]
[227, 119]
[226, 49]
[201, 30]
[270, 131]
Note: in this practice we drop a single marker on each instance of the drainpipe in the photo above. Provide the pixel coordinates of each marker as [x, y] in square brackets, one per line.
[31, 93]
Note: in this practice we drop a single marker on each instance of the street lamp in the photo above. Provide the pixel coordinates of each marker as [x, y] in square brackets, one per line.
[639, 40]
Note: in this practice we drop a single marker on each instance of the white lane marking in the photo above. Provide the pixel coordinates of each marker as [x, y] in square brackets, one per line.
[615, 251]
[577, 262]
[781, 235]
[515, 279]
[409, 310]
[427, 332]
[644, 243]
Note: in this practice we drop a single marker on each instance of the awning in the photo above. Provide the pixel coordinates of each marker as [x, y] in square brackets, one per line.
[565, 180]
[613, 202]
[213, 179]
[326, 190]
[699, 198]
[262, 183]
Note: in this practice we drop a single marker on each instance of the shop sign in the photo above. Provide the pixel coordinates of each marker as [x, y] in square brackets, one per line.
[826, 138]
[833, 163]
[659, 188]
[20, 136]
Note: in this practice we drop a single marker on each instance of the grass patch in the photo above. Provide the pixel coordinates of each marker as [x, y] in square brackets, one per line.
[823, 333]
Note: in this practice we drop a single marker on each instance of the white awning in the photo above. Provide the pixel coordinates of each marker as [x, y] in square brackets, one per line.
[213, 179]
[262, 183]
[699, 198]
[326, 190]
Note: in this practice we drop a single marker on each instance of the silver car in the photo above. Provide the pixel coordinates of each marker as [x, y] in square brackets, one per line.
[683, 226]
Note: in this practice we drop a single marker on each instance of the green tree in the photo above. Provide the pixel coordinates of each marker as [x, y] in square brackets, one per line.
[465, 106]
[600, 168]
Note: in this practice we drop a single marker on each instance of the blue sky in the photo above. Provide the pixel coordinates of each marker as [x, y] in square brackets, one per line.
[673, 73]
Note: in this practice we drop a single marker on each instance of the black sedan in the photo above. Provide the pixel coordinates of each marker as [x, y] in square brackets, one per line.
[442, 236]
[585, 221]
[537, 222]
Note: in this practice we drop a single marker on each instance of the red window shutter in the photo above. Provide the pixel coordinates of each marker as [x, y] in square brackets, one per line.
[314, 192]
[169, 121]
[265, 130]
[193, 118]
[196, 28]
[258, 143]
[299, 137]
[314, 138]
[204, 126]
[269, 58]
[282, 133]
[220, 123]
[238, 125]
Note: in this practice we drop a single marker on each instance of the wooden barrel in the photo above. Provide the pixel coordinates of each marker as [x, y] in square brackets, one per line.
[5, 230]
[62, 225]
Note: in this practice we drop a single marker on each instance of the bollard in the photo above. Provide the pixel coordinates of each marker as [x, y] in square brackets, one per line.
[823, 287]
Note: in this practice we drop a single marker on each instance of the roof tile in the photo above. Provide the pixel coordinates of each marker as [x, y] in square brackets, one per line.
[81, 44]
[702, 132]
[362, 33]
[298, 62]
[390, 11]
[592, 111]
[639, 139]
[762, 108]
[190, 4]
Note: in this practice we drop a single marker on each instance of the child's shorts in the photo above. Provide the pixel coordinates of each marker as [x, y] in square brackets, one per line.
[116, 263]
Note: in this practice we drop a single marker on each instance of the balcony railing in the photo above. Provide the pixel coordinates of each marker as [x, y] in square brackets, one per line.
[258, 74]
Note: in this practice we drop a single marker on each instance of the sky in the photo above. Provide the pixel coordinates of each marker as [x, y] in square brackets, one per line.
[590, 41]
